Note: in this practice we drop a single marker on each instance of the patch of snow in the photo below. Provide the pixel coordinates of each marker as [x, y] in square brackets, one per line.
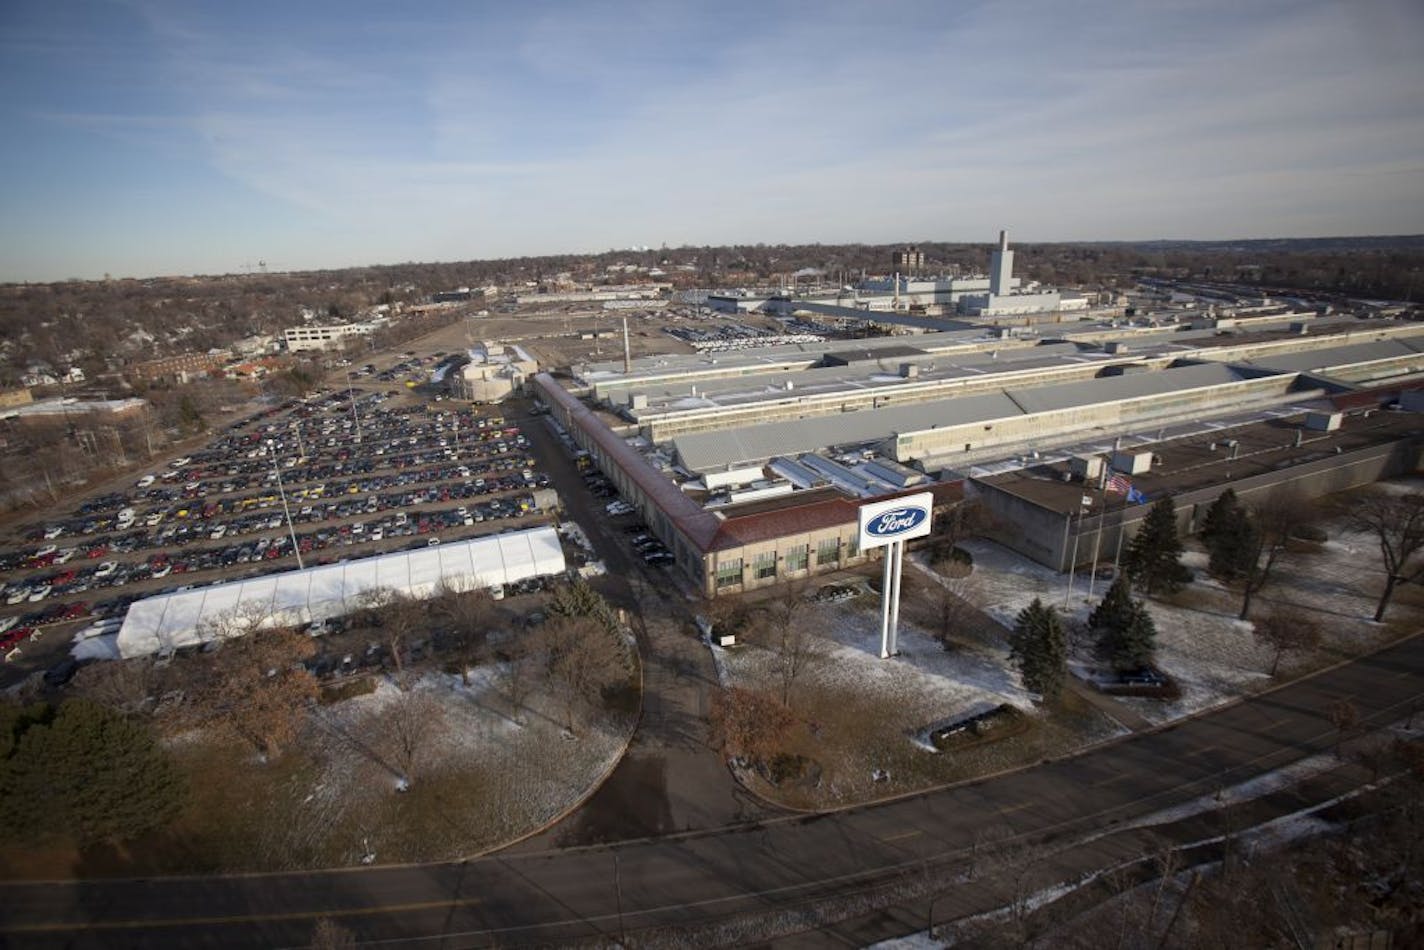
[105, 647]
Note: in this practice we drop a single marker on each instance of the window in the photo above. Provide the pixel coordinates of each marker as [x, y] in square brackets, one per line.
[764, 566]
[729, 573]
[798, 557]
[828, 551]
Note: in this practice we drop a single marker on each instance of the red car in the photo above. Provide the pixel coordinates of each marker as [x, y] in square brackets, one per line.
[80, 608]
[14, 638]
[97, 551]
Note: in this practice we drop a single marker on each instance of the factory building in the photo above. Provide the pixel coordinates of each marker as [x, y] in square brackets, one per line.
[750, 466]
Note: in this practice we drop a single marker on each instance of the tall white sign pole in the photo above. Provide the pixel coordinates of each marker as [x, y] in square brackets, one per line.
[890, 524]
[887, 597]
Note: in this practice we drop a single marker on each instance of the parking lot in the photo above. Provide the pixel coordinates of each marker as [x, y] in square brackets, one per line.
[361, 471]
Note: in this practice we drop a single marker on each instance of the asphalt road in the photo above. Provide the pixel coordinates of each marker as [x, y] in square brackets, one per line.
[558, 896]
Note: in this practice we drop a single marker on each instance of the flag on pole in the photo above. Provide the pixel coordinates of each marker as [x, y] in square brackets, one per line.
[1118, 483]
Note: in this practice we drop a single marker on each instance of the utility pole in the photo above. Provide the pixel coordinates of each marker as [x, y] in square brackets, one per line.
[301, 451]
[350, 392]
[291, 531]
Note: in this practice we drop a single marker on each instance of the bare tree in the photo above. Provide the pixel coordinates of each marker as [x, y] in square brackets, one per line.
[406, 727]
[514, 673]
[582, 659]
[748, 724]
[1287, 630]
[1345, 716]
[1397, 522]
[398, 616]
[1275, 518]
[469, 613]
[258, 688]
[794, 648]
[127, 686]
[951, 609]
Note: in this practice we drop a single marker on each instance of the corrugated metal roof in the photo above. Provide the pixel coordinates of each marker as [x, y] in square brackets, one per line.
[1108, 389]
[701, 451]
[1339, 357]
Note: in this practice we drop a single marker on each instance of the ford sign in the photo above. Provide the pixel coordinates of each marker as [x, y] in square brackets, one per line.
[895, 522]
[898, 519]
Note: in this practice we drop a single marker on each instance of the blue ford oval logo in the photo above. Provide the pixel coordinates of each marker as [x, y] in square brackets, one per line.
[887, 524]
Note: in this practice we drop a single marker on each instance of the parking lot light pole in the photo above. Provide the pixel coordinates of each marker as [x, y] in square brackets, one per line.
[354, 414]
[292, 531]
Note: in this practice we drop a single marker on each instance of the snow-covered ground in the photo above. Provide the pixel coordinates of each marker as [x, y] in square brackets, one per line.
[1213, 656]
[528, 771]
[923, 684]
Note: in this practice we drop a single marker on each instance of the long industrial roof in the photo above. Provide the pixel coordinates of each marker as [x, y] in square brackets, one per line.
[710, 451]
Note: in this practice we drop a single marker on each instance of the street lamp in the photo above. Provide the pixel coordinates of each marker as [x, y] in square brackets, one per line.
[354, 414]
[291, 531]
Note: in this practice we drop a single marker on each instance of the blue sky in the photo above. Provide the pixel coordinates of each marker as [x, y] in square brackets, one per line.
[148, 137]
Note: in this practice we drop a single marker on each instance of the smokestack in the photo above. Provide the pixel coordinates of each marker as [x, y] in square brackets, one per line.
[1003, 240]
[627, 350]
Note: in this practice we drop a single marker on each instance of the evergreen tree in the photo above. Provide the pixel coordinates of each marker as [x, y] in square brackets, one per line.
[580, 600]
[1114, 611]
[1125, 630]
[1154, 556]
[1131, 646]
[1222, 512]
[1229, 536]
[90, 773]
[1039, 646]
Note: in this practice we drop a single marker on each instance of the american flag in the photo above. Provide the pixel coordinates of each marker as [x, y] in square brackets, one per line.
[1118, 483]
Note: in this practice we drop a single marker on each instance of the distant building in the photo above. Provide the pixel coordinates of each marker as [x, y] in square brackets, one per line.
[10, 398]
[460, 295]
[178, 368]
[493, 373]
[1004, 300]
[319, 338]
[909, 261]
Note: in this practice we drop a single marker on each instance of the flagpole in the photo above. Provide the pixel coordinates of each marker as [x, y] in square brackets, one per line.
[1121, 533]
[1098, 535]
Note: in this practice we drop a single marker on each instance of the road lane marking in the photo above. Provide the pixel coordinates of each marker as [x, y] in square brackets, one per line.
[1010, 809]
[902, 836]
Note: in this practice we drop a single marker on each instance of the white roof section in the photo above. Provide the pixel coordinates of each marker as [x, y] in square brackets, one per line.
[186, 618]
[711, 451]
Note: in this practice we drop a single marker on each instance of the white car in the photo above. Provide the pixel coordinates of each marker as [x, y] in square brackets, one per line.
[47, 549]
[64, 557]
[146, 481]
[106, 569]
[54, 532]
[39, 593]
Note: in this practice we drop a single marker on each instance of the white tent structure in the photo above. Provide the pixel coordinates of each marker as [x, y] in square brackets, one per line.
[167, 622]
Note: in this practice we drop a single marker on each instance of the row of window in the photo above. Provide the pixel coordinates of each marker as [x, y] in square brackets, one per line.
[798, 558]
